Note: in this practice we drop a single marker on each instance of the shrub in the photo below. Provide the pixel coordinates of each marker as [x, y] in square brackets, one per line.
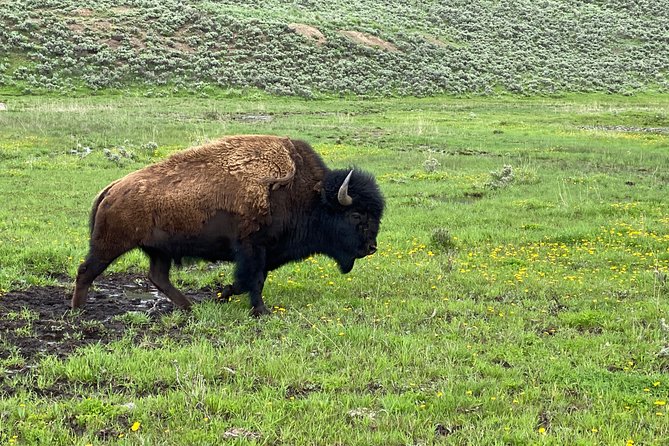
[500, 179]
[442, 239]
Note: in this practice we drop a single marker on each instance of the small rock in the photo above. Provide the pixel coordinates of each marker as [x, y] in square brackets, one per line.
[443, 431]
[3, 106]
[362, 413]
[241, 433]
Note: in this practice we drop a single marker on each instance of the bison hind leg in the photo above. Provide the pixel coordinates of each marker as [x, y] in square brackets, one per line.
[159, 274]
[100, 255]
[88, 271]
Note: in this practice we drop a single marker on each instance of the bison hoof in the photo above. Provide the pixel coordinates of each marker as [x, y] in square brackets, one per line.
[226, 293]
[259, 311]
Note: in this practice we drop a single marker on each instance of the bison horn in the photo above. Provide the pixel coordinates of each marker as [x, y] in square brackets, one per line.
[343, 196]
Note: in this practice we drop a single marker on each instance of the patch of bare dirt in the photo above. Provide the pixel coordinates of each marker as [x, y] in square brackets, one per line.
[184, 48]
[83, 12]
[309, 32]
[369, 40]
[434, 41]
[302, 390]
[38, 321]
[102, 25]
[113, 43]
[138, 43]
[121, 10]
[76, 27]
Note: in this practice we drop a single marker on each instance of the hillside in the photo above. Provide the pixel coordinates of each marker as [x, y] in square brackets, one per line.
[308, 47]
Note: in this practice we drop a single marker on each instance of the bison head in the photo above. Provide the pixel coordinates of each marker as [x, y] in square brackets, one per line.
[354, 206]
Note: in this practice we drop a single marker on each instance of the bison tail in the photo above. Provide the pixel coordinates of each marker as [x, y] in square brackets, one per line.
[96, 204]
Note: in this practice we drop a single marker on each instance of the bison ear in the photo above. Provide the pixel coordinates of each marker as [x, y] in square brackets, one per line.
[320, 190]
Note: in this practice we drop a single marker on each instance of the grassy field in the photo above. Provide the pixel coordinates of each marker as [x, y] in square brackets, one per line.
[518, 295]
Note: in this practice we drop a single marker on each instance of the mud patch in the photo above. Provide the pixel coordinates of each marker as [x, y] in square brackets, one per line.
[38, 321]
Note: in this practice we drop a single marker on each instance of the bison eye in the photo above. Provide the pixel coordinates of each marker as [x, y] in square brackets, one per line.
[356, 217]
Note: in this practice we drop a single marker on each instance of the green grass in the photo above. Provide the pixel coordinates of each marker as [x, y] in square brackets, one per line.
[526, 313]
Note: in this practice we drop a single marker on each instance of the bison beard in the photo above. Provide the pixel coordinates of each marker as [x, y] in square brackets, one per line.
[258, 201]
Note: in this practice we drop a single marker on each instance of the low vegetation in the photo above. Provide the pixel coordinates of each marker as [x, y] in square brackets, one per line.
[334, 47]
[519, 295]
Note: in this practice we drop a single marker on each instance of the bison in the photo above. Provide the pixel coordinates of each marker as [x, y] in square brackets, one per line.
[257, 201]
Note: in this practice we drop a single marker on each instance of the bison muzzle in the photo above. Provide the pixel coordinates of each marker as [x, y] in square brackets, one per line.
[258, 201]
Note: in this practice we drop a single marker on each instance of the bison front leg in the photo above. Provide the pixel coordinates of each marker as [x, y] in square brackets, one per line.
[233, 289]
[230, 290]
[250, 276]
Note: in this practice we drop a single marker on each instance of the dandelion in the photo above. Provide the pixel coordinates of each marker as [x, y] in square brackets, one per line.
[542, 430]
[135, 426]
[660, 403]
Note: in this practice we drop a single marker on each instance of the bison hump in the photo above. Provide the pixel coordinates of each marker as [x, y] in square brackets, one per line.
[263, 161]
[181, 193]
[255, 166]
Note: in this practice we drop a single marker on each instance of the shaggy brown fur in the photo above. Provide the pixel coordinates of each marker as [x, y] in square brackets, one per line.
[259, 201]
[181, 193]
